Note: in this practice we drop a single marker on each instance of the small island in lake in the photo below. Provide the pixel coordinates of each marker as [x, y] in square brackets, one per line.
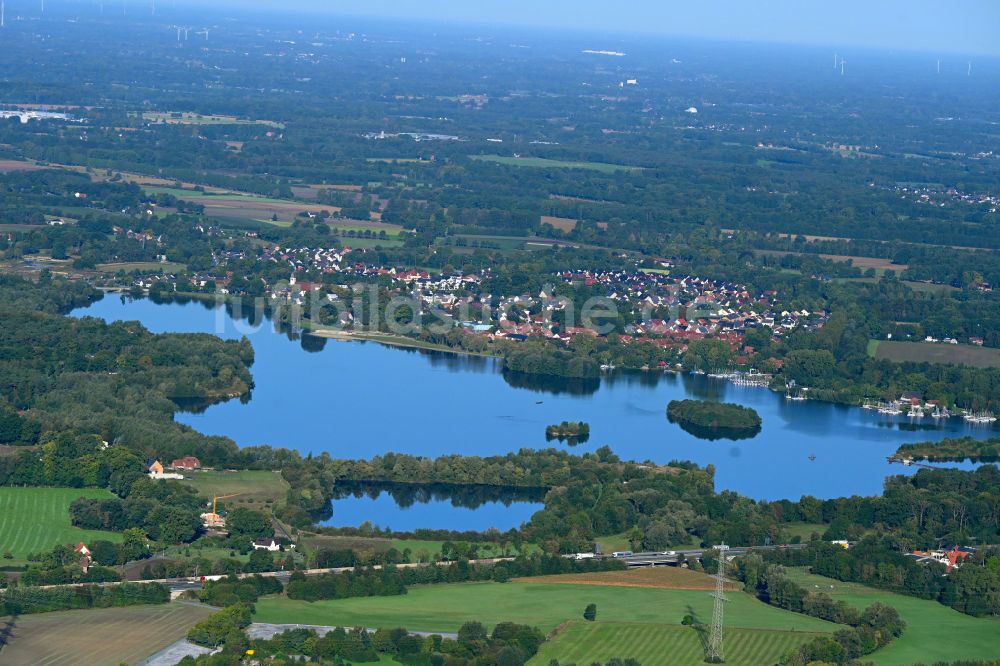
[714, 420]
[571, 432]
[950, 450]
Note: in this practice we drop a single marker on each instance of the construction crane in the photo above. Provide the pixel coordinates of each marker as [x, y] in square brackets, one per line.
[213, 519]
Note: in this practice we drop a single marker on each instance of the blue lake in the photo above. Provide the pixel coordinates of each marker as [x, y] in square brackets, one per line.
[384, 511]
[358, 399]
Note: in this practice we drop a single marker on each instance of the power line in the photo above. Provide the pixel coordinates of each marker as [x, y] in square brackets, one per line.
[715, 653]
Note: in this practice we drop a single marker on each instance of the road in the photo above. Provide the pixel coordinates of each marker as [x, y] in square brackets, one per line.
[653, 559]
[666, 558]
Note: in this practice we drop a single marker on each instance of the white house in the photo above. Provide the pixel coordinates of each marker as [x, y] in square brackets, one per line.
[269, 545]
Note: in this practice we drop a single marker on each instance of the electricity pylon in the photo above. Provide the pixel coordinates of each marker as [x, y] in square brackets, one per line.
[715, 654]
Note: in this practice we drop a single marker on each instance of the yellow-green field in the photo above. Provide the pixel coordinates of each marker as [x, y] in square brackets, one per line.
[934, 632]
[935, 352]
[657, 645]
[33, 520]
[445, 608]
[253, 488]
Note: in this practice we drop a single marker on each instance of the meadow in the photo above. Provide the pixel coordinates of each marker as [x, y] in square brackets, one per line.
[933, 632]
[254, 489]
[544, 163]
[658, 645]
[932, 352]
[33, 520]
[444, 608]
[96, 637]
[242, 205]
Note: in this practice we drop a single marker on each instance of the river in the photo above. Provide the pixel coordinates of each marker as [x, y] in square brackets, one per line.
[358, 399]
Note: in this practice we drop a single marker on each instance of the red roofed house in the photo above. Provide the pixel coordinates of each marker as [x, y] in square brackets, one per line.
[84, 554]
[955, 557]
[187, 462]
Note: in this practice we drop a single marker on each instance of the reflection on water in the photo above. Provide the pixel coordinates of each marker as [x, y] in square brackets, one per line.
[407, 507]
[550, 384]
[356, 400]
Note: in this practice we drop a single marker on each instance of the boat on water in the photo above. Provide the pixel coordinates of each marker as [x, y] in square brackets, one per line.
[979, 417]
[940, 413]
[916, 412]
[890, 408]
[751, 378]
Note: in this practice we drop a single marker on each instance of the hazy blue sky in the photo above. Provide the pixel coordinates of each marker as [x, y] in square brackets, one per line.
[940, 25]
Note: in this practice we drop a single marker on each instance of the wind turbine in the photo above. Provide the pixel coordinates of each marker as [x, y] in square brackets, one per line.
[969, 73]
[203, 32]
[842, 62]
[3, 14]
[939, 67]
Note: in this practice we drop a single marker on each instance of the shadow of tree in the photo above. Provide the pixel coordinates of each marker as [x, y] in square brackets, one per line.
[7, 630]
[699, 627]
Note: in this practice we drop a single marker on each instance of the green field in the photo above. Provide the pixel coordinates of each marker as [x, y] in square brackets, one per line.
[445, 608]
[933, 632]
[803, 530]
[97, 637]
[543, 163]
[33, 520]
[935, 352]
[658, 645]
[254, 488]
[210, 196]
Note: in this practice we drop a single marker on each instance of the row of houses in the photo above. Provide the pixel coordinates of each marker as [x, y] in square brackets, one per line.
[156, 470]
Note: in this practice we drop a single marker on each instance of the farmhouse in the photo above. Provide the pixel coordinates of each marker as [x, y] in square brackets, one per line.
[187, 462]
[155, 468]
[84, 554]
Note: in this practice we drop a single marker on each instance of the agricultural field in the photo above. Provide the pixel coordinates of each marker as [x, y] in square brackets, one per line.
[313, 542]
[444, 608]
[656, 578]
[33, 520]
[96, 637]
[933, 632]
[566, 224]
[544, 163]
[935, 352]
[658, 645]
[312, 191]
[255, 489]
[244, 206]
[9, 166]
[358, 226]
[185, 118]
[864, 263]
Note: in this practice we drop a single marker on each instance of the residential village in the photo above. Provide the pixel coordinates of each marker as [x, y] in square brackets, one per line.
[652, 306]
